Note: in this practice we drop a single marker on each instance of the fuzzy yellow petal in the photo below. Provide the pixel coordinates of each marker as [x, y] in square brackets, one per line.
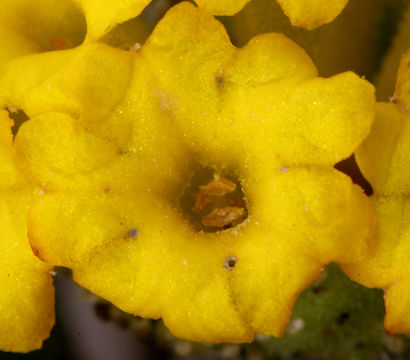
[240, 86]
[402, 92]
[101, 16]
[61, 149]
[313, 114]
[23, 75]
[384, 160]
[323, 201]
[138, 273]
[310, 14]
[335, 114]
[269, 311]
[389, 254]
[266, 80]
[386, 170]
[93, 230]
[201, 47]
[49, 81]
[27, 294]
[117, 171]
[397, 301]
[269, 58]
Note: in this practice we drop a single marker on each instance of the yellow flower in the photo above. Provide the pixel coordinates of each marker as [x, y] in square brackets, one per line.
[192, 180]
[38, 25]
[384, 159]
[27, 292]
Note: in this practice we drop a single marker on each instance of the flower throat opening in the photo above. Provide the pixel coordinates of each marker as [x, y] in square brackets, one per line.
[213, 201]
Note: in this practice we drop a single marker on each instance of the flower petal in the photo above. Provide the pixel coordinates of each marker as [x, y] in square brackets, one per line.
[310, 207]
[56, 149]
[384, 160]
[335, 114]
[397, 301]
[102, 15]
[389, 255]
[27, 294]
[384, 156]
[31, 82]
[268, 268]
[310, 14]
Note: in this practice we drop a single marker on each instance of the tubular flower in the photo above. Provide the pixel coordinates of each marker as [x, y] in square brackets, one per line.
[27, 294]
[38, 25]
[384, 159]
[192, 180]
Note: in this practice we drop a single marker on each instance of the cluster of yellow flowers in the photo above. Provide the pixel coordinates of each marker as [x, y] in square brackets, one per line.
[188, 179]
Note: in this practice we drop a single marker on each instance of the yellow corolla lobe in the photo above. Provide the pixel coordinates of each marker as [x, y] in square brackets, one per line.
[310, 14]
[384, 158]
[27, 293]
[122, 174]
[103, 15]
